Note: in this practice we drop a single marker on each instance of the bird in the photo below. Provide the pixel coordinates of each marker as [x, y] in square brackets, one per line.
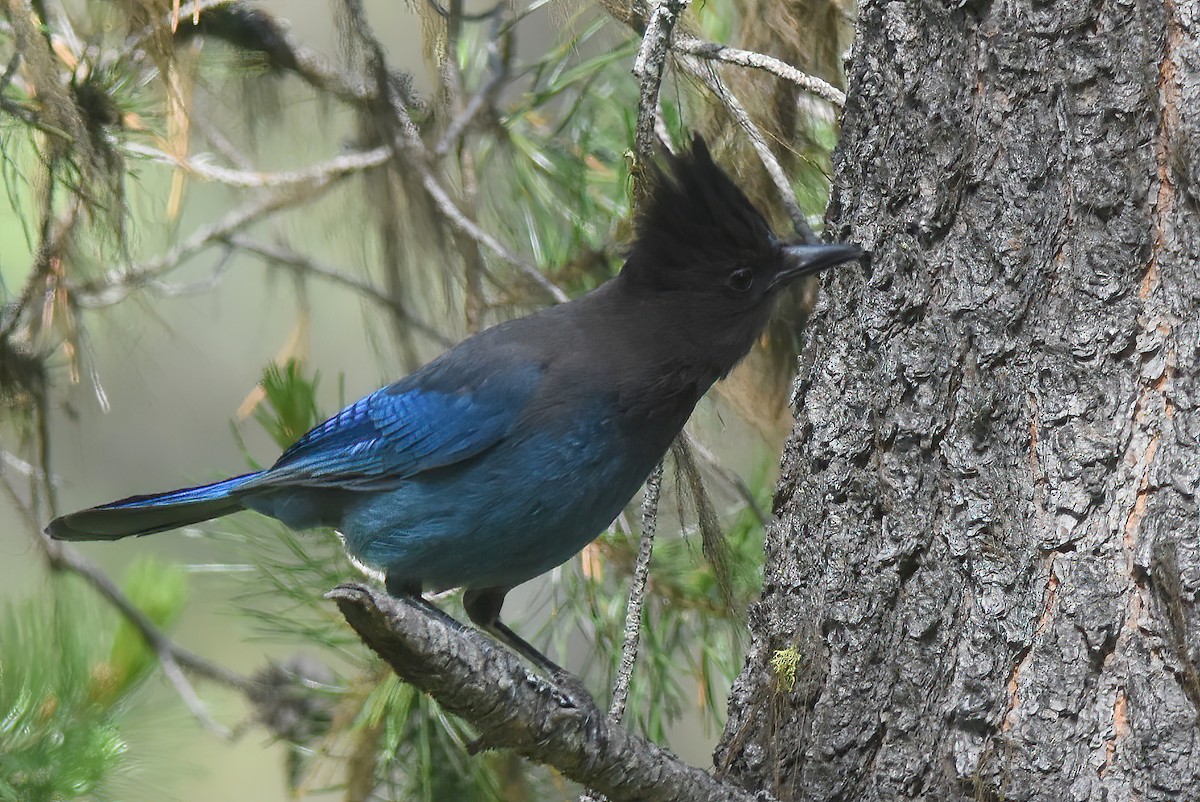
[505, 456]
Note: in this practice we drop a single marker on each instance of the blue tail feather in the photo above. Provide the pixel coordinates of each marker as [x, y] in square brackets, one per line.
[145, 515]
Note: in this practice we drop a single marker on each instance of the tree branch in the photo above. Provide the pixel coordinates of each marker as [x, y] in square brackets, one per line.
[65, 558]
[307, 265]
[632, 16]
[407, 143]
[173, 657]
[489, 687]
[648, 67]
[760, 61]
[637, 594]
[500, 52]
[722, 92]
[117, 284]
[257, 179]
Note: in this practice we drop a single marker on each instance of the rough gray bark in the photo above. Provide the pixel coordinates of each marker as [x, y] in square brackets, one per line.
[986, 567]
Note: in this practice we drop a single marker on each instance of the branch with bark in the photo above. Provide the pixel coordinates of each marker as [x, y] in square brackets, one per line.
[515, 709]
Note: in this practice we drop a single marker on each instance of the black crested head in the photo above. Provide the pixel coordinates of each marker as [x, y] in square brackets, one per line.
[695, 222]
[698, 233]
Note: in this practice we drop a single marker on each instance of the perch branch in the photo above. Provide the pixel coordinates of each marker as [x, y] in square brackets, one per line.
[489, 687]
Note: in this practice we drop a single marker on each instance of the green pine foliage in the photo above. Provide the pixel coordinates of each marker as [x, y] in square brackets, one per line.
[71, 673]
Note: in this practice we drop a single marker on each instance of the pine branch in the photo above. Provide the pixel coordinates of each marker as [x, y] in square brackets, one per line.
[721, 91]
[319, 173]
[491, 689]
[406, 141]
[310, 266]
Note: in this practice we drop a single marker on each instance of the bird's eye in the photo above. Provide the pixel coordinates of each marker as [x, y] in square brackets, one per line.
[741, 280]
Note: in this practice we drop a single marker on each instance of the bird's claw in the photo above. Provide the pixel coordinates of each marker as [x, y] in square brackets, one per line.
[575, 704]
[581, 704]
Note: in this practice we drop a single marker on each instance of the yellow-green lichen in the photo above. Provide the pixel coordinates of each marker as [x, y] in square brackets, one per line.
[784, 664]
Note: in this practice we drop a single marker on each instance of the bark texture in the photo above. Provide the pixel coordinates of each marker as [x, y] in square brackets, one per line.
[984, 579]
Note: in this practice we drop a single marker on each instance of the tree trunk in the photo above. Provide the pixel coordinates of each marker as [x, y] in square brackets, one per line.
[984, 579]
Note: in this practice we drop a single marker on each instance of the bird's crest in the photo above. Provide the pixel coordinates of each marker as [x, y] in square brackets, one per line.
[696, 218]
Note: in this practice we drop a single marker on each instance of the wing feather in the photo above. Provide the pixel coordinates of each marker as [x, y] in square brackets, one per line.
[421, 423]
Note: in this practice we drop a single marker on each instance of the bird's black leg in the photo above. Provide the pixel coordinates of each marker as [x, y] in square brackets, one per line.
[483, 608]
[411, 591]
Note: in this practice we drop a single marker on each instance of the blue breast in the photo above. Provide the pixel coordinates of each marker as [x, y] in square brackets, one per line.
[498, 520]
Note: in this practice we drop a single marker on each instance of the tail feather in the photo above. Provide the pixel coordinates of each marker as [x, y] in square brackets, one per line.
[145, 515]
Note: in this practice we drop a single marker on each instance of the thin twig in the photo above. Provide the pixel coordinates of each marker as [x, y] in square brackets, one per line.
[287, 257]
[710, 79]
[187, 694]
[118, 284]
[252, 179]
[221, 143]
[205, 284]
[407, 142]
[459, 221]
[629, 15]
[62, 557]
[499, 63]
[173, 658]
[759, 61]
[27, 468]
[648, 67]
[637, 594]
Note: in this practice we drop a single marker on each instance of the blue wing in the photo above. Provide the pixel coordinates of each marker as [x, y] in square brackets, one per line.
[445, 413]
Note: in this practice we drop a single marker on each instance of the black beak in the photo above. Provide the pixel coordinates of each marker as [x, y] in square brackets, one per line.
[804, 260]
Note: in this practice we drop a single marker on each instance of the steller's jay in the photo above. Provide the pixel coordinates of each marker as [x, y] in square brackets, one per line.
[505, 456]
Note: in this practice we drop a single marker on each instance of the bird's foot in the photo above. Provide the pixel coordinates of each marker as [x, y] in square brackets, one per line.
[579, 704]
[575, 705]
